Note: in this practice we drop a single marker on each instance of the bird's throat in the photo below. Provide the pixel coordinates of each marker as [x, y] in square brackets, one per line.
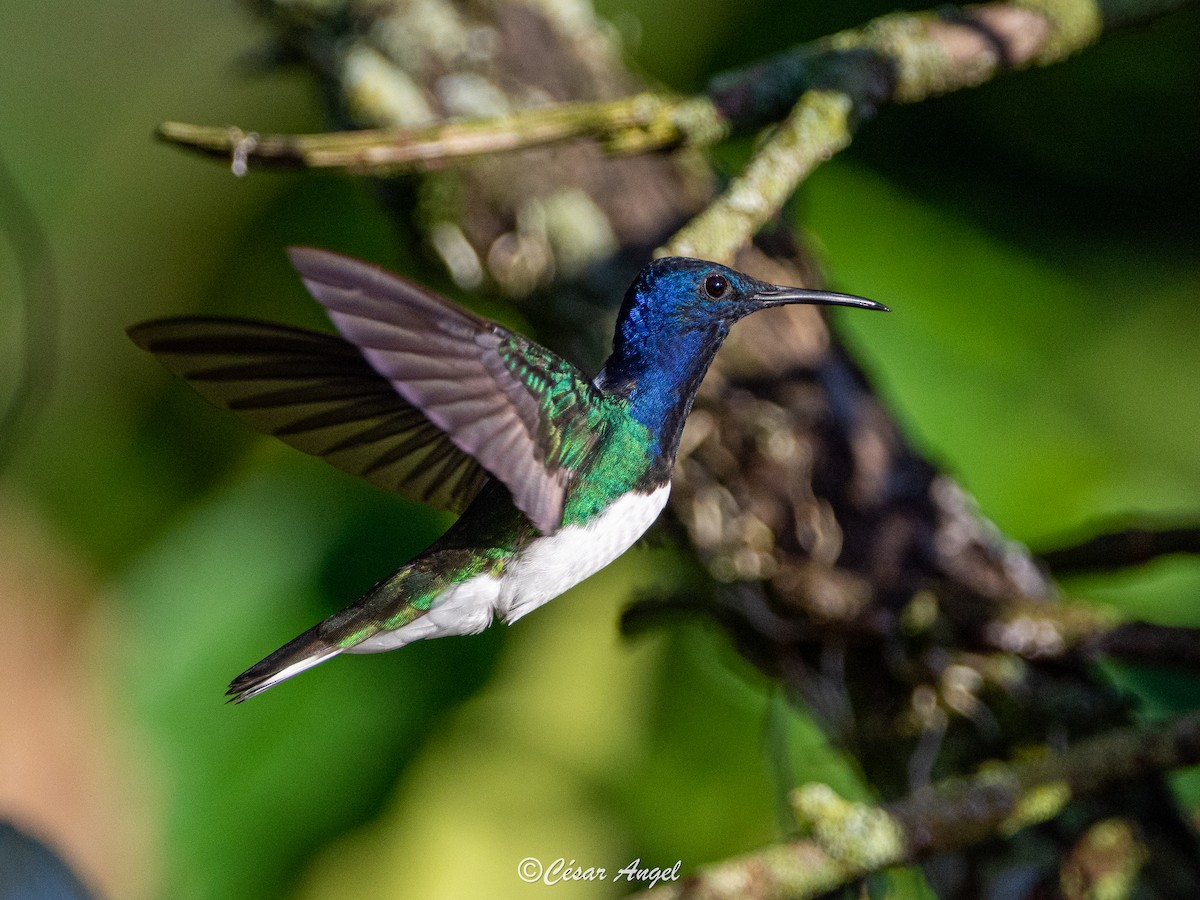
[658, 376]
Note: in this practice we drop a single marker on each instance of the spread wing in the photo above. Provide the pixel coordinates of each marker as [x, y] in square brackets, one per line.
[315, 392]
[523, 413]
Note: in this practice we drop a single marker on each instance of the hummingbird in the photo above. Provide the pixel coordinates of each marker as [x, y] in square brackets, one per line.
[554, 475]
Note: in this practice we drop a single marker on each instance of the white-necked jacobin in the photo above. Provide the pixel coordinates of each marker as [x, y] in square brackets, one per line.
[555, 475]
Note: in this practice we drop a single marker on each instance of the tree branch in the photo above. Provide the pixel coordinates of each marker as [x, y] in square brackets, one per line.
[846, 841]
[818, 127]
[1119, 549]
[628, 125]
[1036, 630]
[903, 57]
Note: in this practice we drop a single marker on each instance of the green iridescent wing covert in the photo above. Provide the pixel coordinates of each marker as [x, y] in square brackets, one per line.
[316, 393]
[523, 413]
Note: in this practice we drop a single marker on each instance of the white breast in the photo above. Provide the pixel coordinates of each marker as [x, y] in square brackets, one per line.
[545, 568]
[552, 564]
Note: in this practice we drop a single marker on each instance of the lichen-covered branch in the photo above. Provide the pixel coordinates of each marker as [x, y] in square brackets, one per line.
[628, 125]
[1036, 630]
[903, 57]
[817, 127]
[844, 841]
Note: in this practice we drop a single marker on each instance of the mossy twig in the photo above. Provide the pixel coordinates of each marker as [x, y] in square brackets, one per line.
[628, 125]
[845, 841]
[902, 57]
[816, 129]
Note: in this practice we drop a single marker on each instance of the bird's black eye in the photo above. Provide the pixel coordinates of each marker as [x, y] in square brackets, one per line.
[716, 286]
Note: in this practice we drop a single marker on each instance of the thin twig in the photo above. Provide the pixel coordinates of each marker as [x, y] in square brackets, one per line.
[1150, 644]
[1119, 549]
[628, 125]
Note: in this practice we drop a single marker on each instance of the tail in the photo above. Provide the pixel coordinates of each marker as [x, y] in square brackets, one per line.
[291, 659]
[386, 607]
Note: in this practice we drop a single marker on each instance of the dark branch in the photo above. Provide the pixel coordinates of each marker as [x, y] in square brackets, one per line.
[1152, 645]
[1119, 549]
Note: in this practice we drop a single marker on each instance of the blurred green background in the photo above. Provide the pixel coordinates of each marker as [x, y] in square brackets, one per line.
[1037, 238]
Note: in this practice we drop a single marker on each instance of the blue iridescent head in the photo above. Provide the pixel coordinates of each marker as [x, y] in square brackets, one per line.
[678, 305]
[675, 317]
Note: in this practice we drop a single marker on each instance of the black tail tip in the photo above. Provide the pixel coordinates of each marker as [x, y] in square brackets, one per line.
[235, 695]
[254, 680]
[289, 660]
[239, 691]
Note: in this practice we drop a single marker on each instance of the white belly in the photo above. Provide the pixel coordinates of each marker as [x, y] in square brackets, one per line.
[552, 564]
[544, 569]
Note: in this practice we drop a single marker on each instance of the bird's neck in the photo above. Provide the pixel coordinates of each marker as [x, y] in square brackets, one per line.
[658, 376]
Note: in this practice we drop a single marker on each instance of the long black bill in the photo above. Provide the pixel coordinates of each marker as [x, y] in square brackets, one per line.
[782, 296]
